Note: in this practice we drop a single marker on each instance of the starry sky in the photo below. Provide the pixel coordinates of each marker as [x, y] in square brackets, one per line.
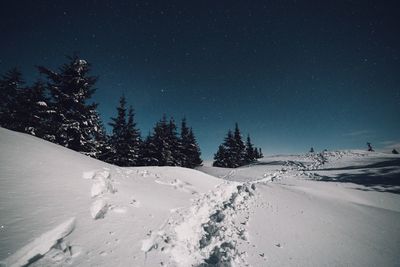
[293, 74]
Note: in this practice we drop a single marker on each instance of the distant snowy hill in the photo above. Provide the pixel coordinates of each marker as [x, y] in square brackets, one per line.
[60, 208]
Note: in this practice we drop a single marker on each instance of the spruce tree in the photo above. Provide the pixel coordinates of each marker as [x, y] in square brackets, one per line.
[311, 150]
[190, 151]
[233, 153]
[194, 153]
[250, 155]
[239, 148]
[119, 148]
[148, 152]
[11, 85]
[133, 140]
[226, 155]
[160, 142]
[32, 112]
[220, 157]
[70, 89]
[174, 145]
[185, 144]
[231, 159]
[103, 146]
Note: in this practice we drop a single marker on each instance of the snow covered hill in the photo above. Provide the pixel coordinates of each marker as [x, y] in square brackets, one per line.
[60, 208]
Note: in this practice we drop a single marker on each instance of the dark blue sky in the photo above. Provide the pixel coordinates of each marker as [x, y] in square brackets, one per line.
[294, 74]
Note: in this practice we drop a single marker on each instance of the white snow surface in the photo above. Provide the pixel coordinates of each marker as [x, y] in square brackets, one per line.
[61, 208]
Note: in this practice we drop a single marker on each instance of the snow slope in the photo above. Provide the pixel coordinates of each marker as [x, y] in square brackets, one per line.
[60, 208]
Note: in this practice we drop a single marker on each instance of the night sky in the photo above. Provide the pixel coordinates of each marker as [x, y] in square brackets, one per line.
[293, 74]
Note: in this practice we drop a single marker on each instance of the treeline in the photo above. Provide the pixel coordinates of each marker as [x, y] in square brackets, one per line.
[57, 109]
[233, 152]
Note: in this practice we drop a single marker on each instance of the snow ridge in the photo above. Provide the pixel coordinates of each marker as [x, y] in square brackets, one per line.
[36, 249]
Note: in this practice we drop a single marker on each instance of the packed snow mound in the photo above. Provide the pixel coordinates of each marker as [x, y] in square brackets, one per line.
[43, 186]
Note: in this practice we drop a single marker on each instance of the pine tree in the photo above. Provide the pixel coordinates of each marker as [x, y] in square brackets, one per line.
[226, 155]
[239, 148]
[148, 152]
[103, 146]
[220, 157]
[70, 89]
[250, 155]
[190, 151]
[311, 150]
[132, 138]
[230, 151]
[32, 112]
[185, 144]
[233, 153]
[160, 142]
[174, 145]
[119, 148]
[11, 85]
[193, 151]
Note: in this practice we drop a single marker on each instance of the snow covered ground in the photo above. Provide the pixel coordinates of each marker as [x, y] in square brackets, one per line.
[335, 209]
[60, 208]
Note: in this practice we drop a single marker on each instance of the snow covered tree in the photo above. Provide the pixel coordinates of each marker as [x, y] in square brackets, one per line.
[233, 152]
[160, 150]
[103, 146]
[133, 140]
[148, 152]
[394, 151]
[11, 84]
[72, 121]
[226, 154]
[125, 140]
[184, 145]
[164, 148]
[220, 158]
[190, 151]
[32, 112]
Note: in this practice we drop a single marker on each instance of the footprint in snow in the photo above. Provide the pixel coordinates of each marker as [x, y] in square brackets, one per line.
[103, 253]
[135, 203]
